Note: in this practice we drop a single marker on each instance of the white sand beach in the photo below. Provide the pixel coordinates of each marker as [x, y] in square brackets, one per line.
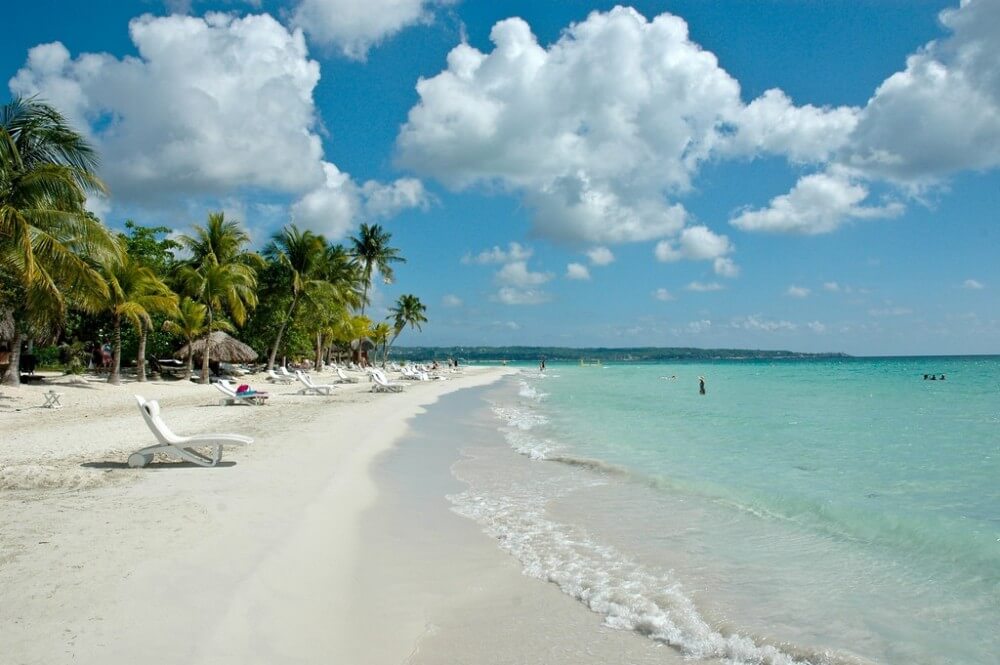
[245, 562]
[296, 549]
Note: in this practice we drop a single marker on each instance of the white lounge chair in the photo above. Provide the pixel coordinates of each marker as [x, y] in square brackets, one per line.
[310, 388]
[414, 374]
[182, 447]
[380, 384]
[231, 396]
[275, 378]
[344, 378]
[283, 371]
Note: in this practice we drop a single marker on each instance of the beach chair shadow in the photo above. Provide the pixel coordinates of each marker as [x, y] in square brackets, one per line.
[104, 466]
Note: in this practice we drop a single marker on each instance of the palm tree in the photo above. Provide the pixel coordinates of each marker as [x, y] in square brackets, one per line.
[134, 292]
[301, 255]
[408, 311]
[223, 240]
[221, 288]
[220, 275]
[190, 322]
[380, 335]
[46, 236]
[371, 251]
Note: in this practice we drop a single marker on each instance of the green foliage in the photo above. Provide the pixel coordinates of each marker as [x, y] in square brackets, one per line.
[371, 251]
[145, 245]
[48, 241]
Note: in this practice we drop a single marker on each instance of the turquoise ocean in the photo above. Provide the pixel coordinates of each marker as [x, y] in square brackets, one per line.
[834, 511]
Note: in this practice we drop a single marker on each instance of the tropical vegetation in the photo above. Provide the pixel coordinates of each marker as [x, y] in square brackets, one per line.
[67, 278]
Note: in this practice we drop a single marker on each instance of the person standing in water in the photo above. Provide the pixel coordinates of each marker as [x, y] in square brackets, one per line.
[701, 385]
[541, 365]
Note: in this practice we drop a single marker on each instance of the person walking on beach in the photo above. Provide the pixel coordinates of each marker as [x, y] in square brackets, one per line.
[701, 385]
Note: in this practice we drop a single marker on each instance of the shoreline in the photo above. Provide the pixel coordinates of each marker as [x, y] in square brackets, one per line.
[243, 563]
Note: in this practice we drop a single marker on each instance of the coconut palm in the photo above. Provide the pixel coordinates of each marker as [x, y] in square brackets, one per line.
[371, 251]
[220, 274]
[408, 311]
[379, 334]
[46, 236]
[221, 289]
[134, 292]
[190, 322]
[301, 255]
[222, 240]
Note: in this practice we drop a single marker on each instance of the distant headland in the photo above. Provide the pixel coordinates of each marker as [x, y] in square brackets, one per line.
[604, 354]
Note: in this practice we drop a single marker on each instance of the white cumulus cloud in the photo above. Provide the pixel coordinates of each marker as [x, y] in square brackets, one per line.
[518, 274]
[577, 271]
[603, 129]
[974, 284]
[509, 295]
[354, 27]
[819, 203]
[514, 252]
[797, 291]
[725, 267]
[703, 287]
[451, 300]
[211, 106]
[941, 114]
[663, 295]
[694, 243]
[600, 256]
[757, 322]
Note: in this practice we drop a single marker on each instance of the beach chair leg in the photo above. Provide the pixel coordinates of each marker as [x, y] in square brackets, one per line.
[191, 455]
[141, 458]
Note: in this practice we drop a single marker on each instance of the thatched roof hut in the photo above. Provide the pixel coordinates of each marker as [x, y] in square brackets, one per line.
[224, 349]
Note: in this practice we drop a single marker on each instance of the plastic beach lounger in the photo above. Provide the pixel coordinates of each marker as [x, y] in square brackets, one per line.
[310, 388]
[180, 447]
[380, 384]
[232, 396]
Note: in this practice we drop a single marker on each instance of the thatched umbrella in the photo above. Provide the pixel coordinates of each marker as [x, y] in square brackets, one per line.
[360, 348]
[225, 349]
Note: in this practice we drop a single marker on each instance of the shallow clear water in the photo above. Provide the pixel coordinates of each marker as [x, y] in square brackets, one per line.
[833, 511]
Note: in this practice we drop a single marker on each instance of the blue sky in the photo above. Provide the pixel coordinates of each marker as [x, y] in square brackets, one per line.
[816, 176]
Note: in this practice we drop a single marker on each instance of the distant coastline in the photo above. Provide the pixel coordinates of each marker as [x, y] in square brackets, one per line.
[604, 354]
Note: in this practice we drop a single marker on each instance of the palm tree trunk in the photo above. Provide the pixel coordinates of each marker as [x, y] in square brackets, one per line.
[140, 366]
[281, 332]
[189, 370]
[207, 351]
[116, 364]
[13, 377]
[368, 281]
[385, 353]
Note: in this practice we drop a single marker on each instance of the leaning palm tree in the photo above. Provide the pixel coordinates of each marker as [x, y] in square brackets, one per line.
[408, 311]
[371, 251]
[134, 292]
[190, 322]
[220, 274]
[301, 255]
[46, 236]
